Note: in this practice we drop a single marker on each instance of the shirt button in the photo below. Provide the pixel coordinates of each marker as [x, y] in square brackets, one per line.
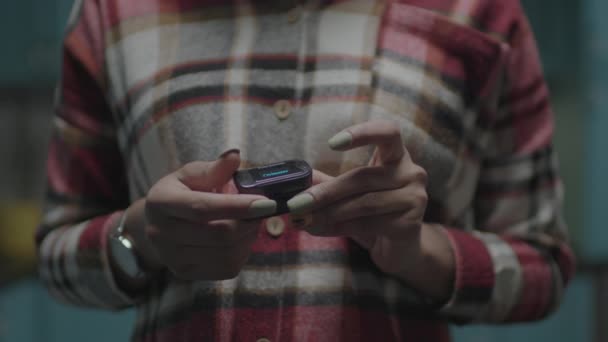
[275, 226]
[263, 339]
[282, 109]
[293, 15]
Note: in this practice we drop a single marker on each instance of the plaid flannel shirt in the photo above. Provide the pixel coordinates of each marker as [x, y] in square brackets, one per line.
[150, 85]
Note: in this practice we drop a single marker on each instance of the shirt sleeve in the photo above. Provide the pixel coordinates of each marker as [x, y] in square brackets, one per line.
[516, 264]
[86, 181]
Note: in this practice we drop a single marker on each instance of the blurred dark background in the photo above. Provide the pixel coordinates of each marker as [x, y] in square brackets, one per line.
[572, 36]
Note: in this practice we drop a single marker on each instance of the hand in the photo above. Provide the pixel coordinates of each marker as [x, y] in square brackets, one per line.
[195, 220]
[383, 202]
[380, 206]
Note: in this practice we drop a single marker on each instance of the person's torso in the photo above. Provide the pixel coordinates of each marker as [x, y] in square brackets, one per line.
[188, 81]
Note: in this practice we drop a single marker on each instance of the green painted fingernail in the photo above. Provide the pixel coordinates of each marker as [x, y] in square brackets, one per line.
[340, 140]
[301, 203]
[230, 151]
[262, 207]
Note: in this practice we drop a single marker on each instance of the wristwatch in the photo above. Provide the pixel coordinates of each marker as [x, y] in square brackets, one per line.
[122, 252]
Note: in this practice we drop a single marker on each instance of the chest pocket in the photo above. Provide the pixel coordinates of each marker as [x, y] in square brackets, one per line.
[436, 76]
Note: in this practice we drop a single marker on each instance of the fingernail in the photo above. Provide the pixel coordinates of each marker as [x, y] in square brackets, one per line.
[340, 140]
[262, 207]
[301, 221]
[300, 204]
[232, 150]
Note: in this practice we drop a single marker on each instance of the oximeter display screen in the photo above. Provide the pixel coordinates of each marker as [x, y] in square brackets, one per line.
[275, 170]
[272, 174]
[279, 181]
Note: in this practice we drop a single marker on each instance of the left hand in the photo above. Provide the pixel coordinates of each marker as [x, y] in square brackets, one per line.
[380, 206]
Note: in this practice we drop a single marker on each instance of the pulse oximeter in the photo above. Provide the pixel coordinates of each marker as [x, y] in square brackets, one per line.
[279, 181]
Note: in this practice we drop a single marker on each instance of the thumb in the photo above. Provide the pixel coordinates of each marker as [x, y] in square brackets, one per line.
[209, 176]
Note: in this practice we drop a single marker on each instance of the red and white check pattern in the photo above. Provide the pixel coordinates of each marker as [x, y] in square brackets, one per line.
[150, 85]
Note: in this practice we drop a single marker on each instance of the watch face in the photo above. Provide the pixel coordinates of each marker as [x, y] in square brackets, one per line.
[122, 253]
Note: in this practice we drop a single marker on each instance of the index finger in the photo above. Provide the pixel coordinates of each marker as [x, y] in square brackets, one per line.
[320, 177]
[382, 133]
[196, 206]
[354, 182]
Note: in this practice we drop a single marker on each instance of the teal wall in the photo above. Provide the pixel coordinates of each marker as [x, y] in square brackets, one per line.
[30, 32]
[595, 100]
[28, 314]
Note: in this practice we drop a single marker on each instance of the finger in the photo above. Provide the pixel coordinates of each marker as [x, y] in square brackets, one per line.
[217, 233]
[206, 206]
[368, 204]
[209, 176]
[411, 200]
[382, 133]
[230, 188]
[357, 181]
[320, 177]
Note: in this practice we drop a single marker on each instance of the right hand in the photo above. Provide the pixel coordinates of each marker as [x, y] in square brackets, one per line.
[195, 220]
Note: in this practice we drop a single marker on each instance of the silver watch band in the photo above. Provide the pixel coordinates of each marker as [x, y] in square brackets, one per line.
[122, 252]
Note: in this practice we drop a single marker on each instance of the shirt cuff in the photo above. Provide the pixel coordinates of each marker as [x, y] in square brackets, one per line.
[101, 281]
[473, 278]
